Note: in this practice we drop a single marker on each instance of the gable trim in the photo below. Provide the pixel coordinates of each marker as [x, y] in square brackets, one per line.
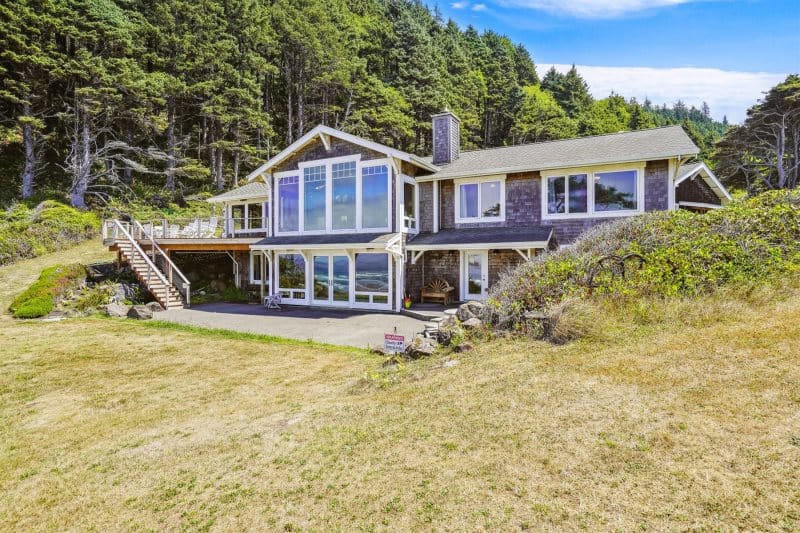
[709, 177]
[324, 133]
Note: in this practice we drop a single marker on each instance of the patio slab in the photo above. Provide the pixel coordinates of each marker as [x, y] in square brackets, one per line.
[333, 326]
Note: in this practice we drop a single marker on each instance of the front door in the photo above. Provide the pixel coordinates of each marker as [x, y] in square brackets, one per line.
[331, 278]
[475, 274]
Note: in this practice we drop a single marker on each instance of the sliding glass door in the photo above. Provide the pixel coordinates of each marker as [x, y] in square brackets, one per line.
[331, 279]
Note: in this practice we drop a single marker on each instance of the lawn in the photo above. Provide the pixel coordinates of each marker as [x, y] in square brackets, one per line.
[673, 416]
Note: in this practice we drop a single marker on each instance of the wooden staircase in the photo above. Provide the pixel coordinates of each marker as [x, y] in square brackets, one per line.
[164, 292]
[161, 284]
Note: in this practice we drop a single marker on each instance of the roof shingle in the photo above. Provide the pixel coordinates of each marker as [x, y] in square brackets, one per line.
[641, 145]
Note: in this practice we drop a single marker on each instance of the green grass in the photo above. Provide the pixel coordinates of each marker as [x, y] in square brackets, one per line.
[40, 297]
[670, 414]
[27, 232]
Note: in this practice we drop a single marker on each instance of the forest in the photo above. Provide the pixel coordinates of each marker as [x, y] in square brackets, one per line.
[102, 99]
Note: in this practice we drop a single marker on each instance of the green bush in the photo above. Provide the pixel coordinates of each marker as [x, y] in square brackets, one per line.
[94, 297]
[682, 254]
[26, 232]
[40, 298]
[235, 295]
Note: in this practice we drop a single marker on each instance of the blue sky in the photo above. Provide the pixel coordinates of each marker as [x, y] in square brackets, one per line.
[724, 52]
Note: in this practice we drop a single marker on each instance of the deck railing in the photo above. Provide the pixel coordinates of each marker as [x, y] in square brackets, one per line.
[201, 228]
[181, 283]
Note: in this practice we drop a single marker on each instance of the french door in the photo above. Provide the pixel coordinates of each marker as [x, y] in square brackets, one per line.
[475, 274]
[331, 279]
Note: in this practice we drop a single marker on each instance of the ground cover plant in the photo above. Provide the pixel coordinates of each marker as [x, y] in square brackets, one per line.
[41, 297]
[664, 255]
[32, 231]
[678, 413]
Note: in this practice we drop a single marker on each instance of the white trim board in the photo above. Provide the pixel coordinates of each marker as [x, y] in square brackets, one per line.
[324, 133]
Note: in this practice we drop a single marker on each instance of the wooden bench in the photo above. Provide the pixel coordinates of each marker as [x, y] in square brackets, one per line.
[437, 289]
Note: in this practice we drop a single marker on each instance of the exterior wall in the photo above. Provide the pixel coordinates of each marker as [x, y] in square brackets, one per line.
[446, 138]
[425, 191]
[433, 264]
[656, 186]
[501, 261]
[696, 190]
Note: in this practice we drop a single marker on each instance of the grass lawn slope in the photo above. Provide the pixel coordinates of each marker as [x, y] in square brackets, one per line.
[682, 415]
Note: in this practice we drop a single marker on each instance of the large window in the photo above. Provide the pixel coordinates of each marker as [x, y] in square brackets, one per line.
[480, 200]
[334, 195]
[289, 203]
[314, 182]
[615, 191]
[292, 276]
[567, 194]
[344, 195]
[372, 283]
[602, 193]
[375, 197]
[255, 216]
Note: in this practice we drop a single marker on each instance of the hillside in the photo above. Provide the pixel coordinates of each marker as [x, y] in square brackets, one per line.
[680, 414]
[103, 99]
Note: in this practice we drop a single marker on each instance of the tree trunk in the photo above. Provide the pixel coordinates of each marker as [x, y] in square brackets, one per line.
[80, 183]
[236, 155]
[29, 168]
[170, 184]
[212, 156]
[220, 177]
[300, 106]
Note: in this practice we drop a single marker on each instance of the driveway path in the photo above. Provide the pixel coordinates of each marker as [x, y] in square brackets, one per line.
[343, 327]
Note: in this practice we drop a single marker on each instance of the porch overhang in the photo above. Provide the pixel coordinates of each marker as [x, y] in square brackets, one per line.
[535, 237]
[213, 244]
[355, 241]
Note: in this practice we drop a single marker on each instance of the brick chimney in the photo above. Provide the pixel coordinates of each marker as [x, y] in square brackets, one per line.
[446, 137]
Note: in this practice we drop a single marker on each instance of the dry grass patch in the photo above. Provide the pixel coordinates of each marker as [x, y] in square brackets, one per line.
[683, 416]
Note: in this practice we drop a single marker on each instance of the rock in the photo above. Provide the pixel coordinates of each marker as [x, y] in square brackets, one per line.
[472, 323]
[464, 347]
[140, 312]
[421, 347]
[450, 363]
[154, 307]
[464, 313]
[117, 310]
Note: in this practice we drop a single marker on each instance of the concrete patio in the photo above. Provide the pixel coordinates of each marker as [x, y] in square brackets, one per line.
[345, 327]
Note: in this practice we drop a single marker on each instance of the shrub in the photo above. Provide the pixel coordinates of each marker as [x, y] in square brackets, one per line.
[233, 294]
[26, 232]
[681, 253]
[40, 298]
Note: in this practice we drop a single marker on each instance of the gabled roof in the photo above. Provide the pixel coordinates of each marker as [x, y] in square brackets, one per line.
[324, 133]
[254, 189]
[701, 169]
[641, 145]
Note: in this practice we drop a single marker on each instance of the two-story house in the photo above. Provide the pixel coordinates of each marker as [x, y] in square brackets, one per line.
[338, 220]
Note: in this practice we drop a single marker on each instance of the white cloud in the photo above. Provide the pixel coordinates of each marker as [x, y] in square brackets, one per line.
[459, 5]
[479, 7]
[728, 93]
[591, 9]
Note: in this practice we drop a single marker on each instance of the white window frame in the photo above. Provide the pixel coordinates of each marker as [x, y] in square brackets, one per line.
[591, 172]
[253, 280]
[328, 164]
[291, 298]
[371, 294]
[407, 226]
[276, 211]
[479, 181]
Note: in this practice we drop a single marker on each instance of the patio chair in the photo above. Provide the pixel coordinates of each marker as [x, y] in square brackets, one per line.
[191, 229]
[208, 229]
[273, 301]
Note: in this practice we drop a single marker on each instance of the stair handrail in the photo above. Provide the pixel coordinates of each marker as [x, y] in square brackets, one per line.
[150, 265]
[172, 266]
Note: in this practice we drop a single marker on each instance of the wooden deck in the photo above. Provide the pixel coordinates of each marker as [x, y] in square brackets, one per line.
[212, 244]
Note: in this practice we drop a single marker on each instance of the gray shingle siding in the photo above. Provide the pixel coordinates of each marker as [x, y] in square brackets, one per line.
[656, 186]
[696, 190]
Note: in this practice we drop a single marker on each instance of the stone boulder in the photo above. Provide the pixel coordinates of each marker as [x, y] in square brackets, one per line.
[140, 312]
[154, 307]
[464, 347]
[472, 309]
[472, 323]
[421, 347]
[116, 310]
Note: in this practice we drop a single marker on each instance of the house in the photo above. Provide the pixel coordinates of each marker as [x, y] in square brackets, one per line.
[338, 220]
